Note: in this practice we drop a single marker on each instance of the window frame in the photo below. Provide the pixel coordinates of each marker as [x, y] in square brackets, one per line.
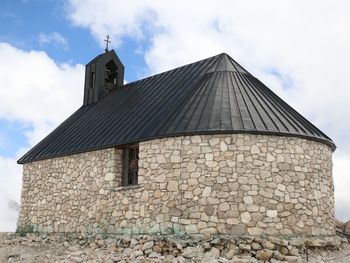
[128, 179]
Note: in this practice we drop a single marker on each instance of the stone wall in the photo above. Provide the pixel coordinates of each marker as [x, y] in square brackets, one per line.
[215, 184]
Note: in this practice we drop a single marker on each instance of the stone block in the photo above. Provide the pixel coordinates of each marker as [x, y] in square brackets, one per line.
[271, 213]
[245, 217]
[248, 200]
[245, 247]
[209, 231]
[264, 254]
[191, 229]
[255, 231]
[173, 186]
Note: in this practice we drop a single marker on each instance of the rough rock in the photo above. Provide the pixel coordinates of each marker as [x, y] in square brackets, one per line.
[148, 245]
[245, 247]
[264, 254]
[188, 252]
[169, 249]
[278, 255]
[283, 250]
[268, 245]
[293, 259]
[346, 228]
[215, 251]
[315, 242]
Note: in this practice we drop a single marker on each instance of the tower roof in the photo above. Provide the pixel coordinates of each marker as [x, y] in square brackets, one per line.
[212, 96]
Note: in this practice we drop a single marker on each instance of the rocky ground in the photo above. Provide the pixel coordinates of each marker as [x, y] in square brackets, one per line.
[59, 248]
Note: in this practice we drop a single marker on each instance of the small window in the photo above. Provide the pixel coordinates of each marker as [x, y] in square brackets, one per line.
[130, 165]
[92, 79]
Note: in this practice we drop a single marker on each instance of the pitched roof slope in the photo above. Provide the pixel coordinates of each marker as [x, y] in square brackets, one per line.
[215, 95]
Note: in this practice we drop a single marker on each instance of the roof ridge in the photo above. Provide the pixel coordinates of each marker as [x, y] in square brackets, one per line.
[219, 56]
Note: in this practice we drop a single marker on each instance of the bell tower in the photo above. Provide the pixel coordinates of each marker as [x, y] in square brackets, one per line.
[102, 74]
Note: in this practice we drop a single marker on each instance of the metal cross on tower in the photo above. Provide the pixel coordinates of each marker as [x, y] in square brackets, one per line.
[107, 41]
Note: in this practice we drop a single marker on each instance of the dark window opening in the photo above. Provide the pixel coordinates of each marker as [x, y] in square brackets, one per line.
[130, 165]
[92, 79]
[111, 74]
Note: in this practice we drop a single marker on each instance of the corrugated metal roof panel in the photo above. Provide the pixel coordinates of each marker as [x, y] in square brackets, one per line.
[215, 95]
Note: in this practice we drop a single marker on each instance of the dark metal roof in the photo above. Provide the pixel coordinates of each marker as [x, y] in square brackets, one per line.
[215, 95]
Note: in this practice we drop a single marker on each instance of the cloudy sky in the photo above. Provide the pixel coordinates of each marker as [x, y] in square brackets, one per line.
[300, 49]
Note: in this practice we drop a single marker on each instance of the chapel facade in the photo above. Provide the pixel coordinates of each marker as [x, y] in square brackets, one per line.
[201, 149]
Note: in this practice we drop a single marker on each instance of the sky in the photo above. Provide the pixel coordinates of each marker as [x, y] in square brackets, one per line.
[299, 49]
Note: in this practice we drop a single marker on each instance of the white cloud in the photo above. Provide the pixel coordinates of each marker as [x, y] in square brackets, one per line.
[10, 188]
[37, 91]
[131, 17]
[305, 42]
[31, 83]
[342, 186]
[53, 38]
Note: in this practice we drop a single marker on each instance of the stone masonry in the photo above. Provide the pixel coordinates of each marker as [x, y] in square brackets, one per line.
[210, 184]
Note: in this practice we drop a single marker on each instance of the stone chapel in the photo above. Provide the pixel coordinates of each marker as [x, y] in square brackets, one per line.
[205, 148]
